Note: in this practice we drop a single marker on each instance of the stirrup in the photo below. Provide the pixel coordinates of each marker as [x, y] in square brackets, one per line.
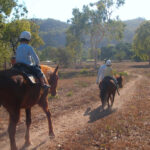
[45, 86]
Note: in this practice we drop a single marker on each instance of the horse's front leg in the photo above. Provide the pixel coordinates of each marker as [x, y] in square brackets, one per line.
[44, 105]
[28, 123]
[13, 120]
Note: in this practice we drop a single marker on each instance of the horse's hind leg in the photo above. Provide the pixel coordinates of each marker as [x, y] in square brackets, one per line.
[28, 123]
[13, 120]
[112, 96]
[44, 105]
[108, 101]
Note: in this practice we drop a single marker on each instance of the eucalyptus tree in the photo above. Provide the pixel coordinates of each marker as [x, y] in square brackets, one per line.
[6, 9]
[101, 23]
[75, 34]
[141, 42]
[96, 21]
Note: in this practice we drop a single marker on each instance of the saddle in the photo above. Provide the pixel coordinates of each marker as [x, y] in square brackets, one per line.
[26, 70]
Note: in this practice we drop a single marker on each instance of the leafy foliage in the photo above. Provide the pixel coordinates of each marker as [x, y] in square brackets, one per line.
[141, 43]
[97, 23]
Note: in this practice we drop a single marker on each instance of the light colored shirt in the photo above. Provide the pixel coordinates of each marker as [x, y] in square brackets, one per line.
[108, 71]
[25, 54]
[100, 75]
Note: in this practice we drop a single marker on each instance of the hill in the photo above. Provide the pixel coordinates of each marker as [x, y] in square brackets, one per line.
[53, 31]
[131, 26]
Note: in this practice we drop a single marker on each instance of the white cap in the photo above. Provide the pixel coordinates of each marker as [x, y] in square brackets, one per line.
[25, 35]
[108, 62]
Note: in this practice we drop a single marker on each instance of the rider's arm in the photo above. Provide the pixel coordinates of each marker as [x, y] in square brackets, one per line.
[98, 75]
[34, 56]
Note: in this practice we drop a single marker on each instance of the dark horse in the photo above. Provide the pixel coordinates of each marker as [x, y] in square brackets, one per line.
[16, 92]
[108, 90]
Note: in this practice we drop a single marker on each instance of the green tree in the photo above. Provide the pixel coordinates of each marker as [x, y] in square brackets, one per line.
[75, 34]
[6, 7]
[13, 30]
[125, 49]
[108, 52]
[141, 42]
[96, 21]
[63, 56]
[48, 53]
[102, 24]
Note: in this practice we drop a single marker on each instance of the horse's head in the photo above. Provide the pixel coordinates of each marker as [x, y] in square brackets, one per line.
[120, 81]
[53, 80]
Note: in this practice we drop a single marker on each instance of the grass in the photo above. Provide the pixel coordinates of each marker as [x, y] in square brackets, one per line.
[70, 93]
[82, 83]
[53, 97]
[123, 73]
[77, 73]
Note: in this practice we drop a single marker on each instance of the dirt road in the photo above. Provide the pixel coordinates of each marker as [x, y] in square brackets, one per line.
[72, 112]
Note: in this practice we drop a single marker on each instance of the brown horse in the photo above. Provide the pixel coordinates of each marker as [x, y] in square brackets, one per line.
[16, 92]
[108, 90]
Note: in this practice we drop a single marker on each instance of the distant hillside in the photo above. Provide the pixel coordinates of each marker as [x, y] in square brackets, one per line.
[131, 26]
[53, 31]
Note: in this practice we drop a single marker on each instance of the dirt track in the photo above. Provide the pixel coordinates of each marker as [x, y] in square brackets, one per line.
[71, 114]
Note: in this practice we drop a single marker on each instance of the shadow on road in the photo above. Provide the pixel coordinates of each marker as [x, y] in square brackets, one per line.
[97, 113]
[141, 66]
[32, 147]
[3, 134]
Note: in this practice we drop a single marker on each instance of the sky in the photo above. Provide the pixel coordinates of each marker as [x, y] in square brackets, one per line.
[62, 9]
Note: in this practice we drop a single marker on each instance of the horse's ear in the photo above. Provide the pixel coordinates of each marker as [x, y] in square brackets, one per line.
[56, 69]
[122, 76]
[116, 76]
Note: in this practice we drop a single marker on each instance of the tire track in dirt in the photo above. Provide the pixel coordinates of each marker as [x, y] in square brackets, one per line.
[71, 122]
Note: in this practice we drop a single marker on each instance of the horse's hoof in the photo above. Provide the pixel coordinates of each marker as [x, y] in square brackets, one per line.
[51, 135]
[26, 144]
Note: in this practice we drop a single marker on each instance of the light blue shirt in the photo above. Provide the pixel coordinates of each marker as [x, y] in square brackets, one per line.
[100, 75]
[25, 54]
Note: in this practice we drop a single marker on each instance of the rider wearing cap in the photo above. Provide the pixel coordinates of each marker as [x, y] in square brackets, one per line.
[25, 54]
[108, 72]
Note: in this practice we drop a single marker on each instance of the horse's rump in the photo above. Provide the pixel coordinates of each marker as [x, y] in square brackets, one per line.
[26, 71]
[107, 82]
[107, 86]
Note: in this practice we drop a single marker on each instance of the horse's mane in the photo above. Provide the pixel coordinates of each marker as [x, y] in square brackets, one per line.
[47, 69]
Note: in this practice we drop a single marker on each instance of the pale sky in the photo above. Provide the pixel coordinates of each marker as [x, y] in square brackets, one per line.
[62, 9]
